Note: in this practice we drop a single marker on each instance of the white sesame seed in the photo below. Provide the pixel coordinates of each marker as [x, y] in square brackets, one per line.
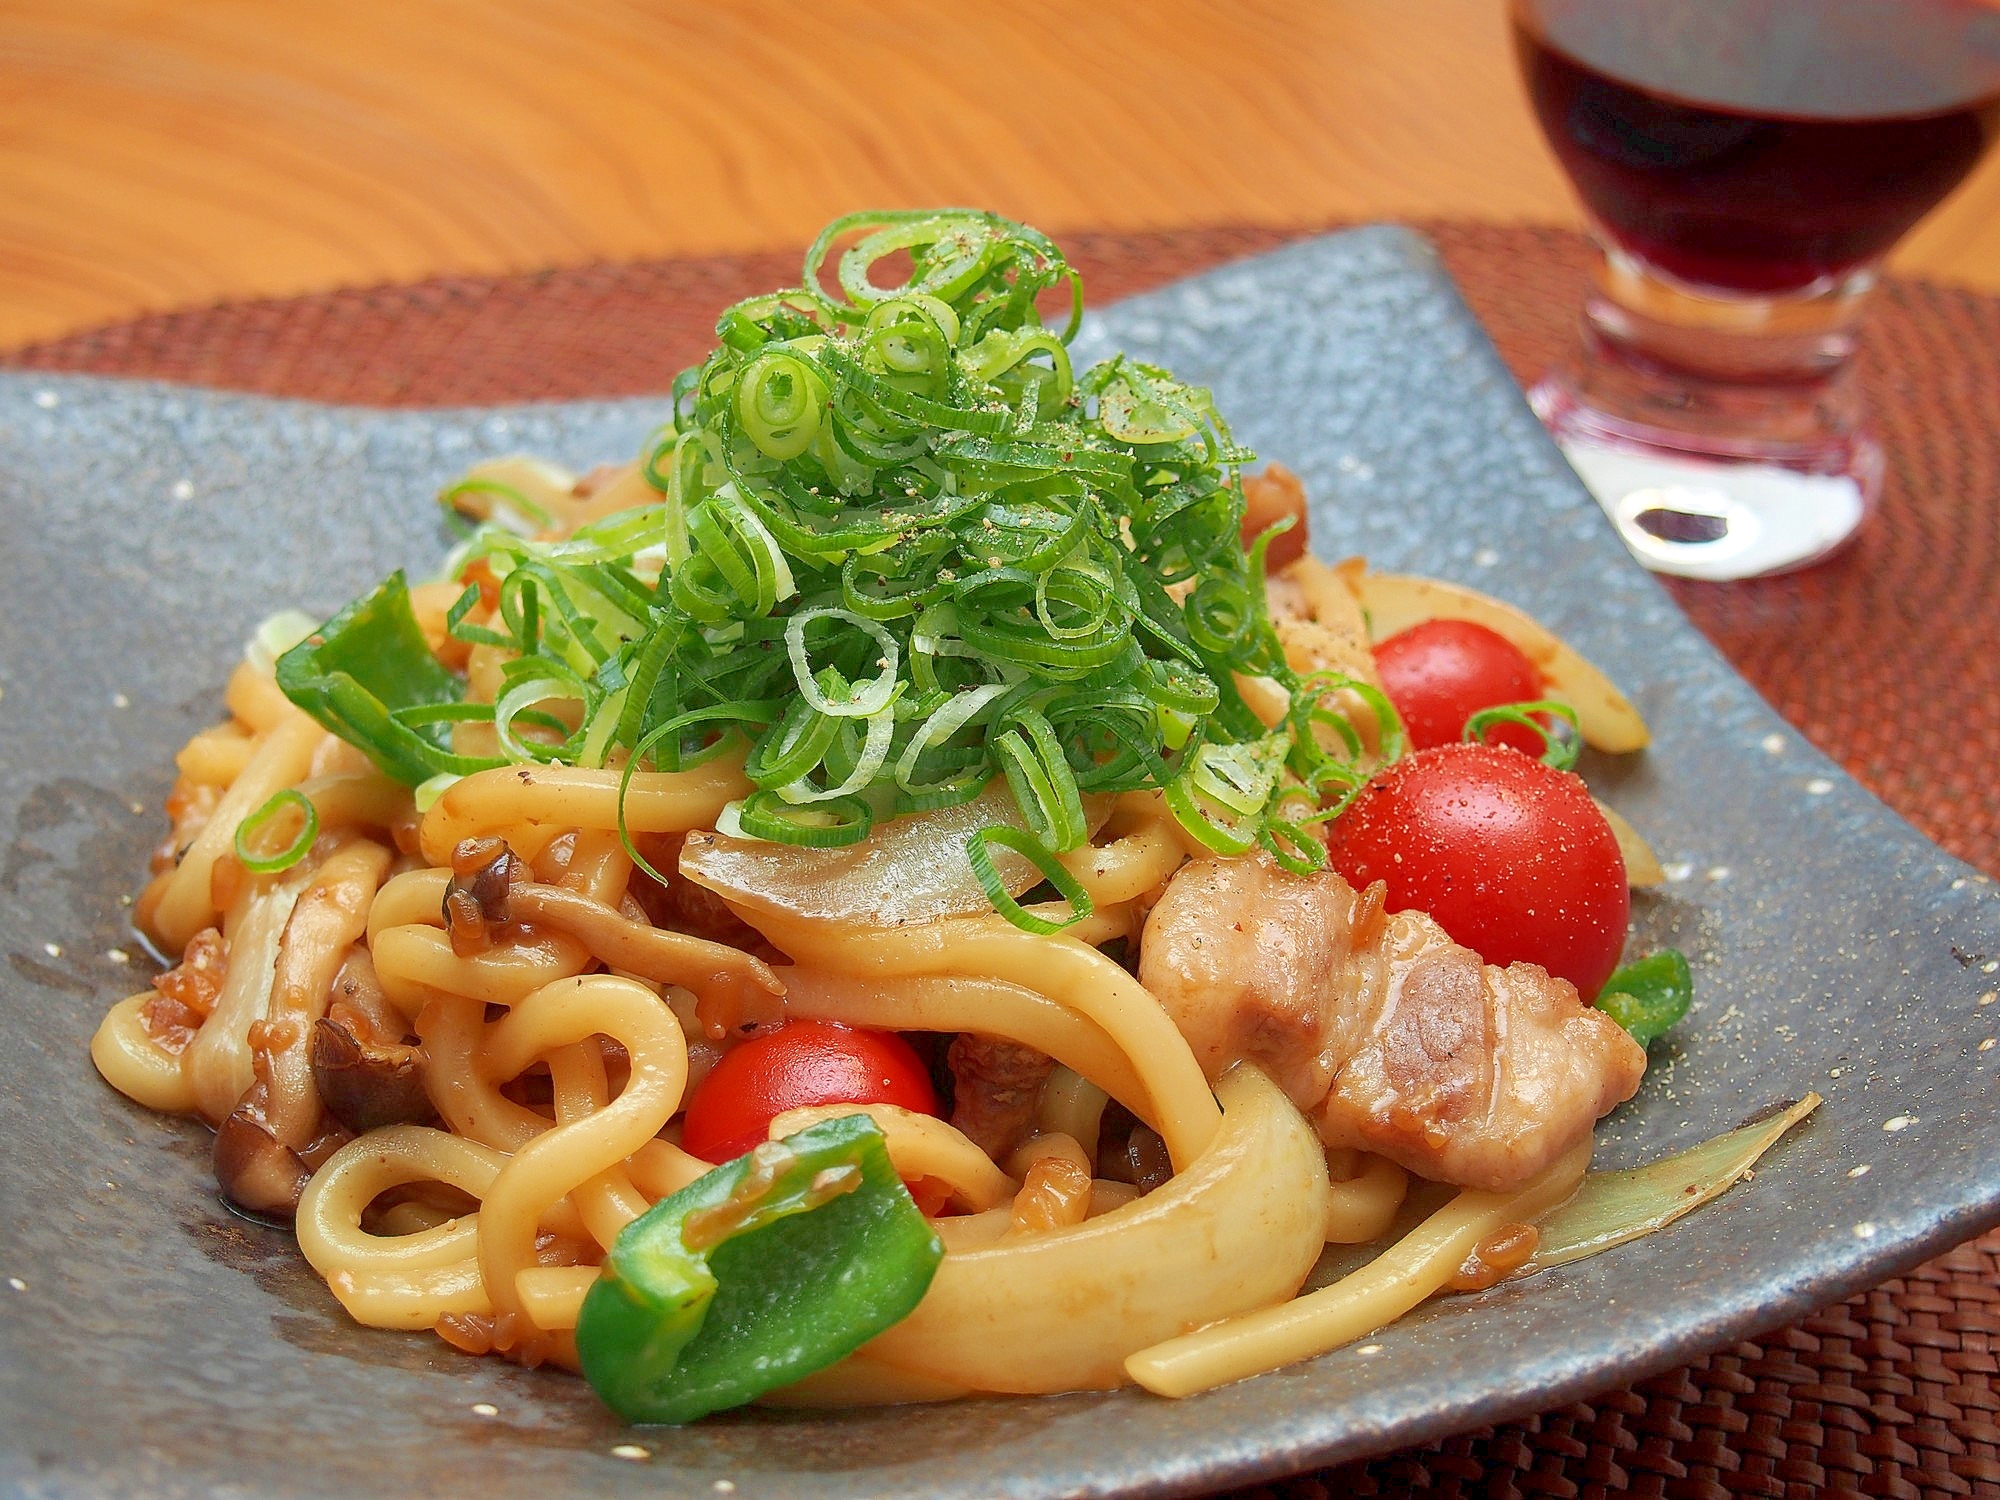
[1774, 744]
[1988, 1044]
[1716, 872]
[47, 400]
[1833, 1072]
[1989, 997]
[725, 1486]
[485, 1409]
[1991, 966]
[1865, 1230]
[118, 955]
[54, 950]
[183, 489]
[1486, 557]
[1898, 1123]
[1860, 1171]
[1958, 884]
[632, 1451]
[17, 1283]
[1678, 871]
[119, 700]
[1369, 1349]
[1819, 786]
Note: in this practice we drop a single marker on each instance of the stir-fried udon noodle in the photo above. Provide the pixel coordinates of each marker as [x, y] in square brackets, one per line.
[448, 971]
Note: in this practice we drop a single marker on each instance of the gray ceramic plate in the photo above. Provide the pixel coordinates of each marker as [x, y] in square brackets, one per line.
[153, 1344]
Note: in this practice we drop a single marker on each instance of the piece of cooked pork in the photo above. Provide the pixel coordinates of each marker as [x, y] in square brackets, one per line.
[1389, 1035]
[997, 1085]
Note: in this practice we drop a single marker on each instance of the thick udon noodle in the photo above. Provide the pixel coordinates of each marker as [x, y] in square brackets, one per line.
[1052, 1280]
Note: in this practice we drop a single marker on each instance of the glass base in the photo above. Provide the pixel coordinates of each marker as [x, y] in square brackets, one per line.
[1720, 499]
[1636, 312]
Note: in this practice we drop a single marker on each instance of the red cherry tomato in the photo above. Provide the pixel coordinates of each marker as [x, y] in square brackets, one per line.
[1441, 672]
[801, 1063]
[1510, 856]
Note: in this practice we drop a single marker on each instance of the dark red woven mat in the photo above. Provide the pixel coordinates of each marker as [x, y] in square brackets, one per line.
[1888, 658]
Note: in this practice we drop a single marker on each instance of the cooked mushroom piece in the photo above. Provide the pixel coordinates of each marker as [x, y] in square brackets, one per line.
[255, 1170]
[483, 871]
[366, 1083]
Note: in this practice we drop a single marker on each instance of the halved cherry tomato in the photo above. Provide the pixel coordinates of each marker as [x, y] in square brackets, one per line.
[801, 1063]
[1439, 673]
[1510, 856]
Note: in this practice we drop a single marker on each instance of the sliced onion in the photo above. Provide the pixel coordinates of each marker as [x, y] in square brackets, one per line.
[911, 869]
[1395, 602]
[1642, 866]
[1613, 1207]
[1237, 1229]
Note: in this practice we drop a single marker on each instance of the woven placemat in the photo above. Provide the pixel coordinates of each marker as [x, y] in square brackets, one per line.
[1887, 657]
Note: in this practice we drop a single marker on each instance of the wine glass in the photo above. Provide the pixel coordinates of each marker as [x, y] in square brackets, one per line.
[1745, 165]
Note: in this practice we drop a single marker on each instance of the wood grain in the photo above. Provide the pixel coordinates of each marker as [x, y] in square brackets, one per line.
[162, 155]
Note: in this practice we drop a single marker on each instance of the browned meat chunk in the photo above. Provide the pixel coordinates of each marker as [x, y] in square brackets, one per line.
[997, 1084]
[1391, 1036]
[185, 995]
[1270, 497]
[1244, 957]
[683, 906]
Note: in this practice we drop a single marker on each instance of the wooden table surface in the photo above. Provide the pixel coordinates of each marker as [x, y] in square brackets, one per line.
[159, 155]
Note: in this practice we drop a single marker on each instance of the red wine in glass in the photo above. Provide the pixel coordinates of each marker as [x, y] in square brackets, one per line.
[1746, 164]
[1763, 145]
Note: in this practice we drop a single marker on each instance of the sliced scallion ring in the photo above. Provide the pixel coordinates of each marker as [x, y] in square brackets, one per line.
[821, 825]
[979, 853]
[1560, 747]
[868, 696]
[250, 830]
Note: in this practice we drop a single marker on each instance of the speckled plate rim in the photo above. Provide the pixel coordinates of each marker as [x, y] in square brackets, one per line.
[1349, 358]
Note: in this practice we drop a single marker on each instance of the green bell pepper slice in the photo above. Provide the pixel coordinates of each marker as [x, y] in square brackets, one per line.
[1649, 996]
[772, 1266]
[367, 675]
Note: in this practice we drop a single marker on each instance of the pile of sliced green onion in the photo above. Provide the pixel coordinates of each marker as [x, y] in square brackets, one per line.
[900, 548]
